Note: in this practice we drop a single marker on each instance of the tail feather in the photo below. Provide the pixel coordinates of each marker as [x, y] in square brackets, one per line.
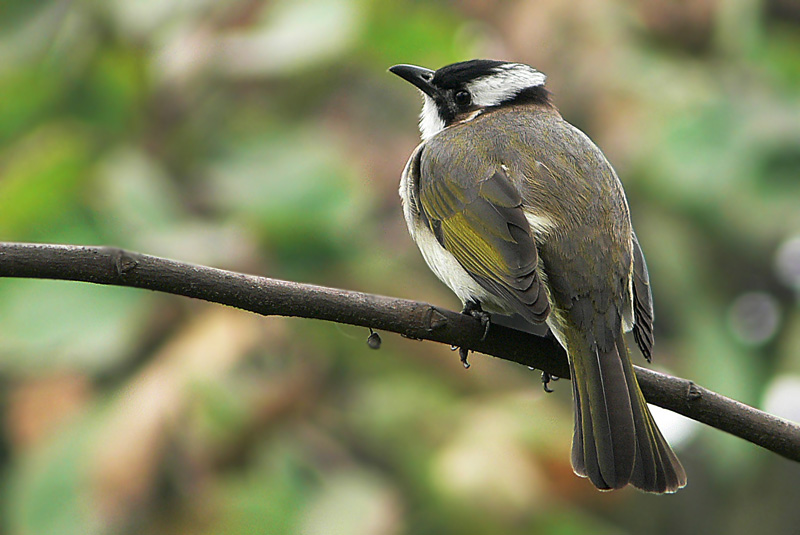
[578, 463]
[616, 441]
[606, 421]
[657, 468]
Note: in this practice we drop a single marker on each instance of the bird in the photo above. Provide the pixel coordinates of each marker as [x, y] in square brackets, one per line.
[519, 213]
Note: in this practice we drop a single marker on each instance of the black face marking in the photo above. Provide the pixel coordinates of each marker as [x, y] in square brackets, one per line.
[451, 103]
[453, 98]
[456, 75]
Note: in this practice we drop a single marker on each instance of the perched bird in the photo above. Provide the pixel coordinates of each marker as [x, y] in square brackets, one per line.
[518, 212]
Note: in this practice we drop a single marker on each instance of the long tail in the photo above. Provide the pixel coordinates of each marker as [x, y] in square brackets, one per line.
[616, 442]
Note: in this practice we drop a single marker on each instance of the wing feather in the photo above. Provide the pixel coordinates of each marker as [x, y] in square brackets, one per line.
[484, 227]
[642, 303]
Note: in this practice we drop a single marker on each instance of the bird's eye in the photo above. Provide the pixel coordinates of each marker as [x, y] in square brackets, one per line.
[463, 98]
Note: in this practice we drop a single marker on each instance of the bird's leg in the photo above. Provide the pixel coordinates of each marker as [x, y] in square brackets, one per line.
[546, 378]
[473, 308]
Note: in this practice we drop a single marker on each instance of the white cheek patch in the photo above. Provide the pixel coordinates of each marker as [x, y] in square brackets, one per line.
[504, 84]
[430, 123]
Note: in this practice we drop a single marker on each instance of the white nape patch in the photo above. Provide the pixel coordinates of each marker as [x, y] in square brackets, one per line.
[430, 122]
[505, 83]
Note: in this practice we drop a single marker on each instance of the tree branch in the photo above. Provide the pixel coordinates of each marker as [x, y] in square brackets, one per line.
[268, 297]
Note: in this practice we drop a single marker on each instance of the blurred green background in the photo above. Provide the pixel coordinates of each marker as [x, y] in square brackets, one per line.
[267, 137]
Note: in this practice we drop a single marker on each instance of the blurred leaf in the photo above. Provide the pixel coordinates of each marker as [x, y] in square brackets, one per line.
[54, 324]
[42, 180]
[298, 194]
[266, 137]
[296, 35]
[109, 95]
[18, 11]
[271, 497]
[134, 193]
[26, 97]
[779, 55]
[352, 502]
[46, 495]
[426, 34]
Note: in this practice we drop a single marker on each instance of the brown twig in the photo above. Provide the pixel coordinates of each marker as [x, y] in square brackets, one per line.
[268, 297]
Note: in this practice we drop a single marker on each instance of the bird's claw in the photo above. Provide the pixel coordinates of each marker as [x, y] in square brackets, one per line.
[546, 378]
[485, 321]
[472, 308]
[464, 353]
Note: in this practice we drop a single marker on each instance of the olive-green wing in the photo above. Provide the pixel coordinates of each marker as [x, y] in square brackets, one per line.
[482, 224]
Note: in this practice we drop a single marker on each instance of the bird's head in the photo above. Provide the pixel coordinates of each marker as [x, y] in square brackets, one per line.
[461, 90]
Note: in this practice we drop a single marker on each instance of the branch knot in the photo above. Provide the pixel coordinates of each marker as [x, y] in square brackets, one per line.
[434, 320]
[693, 392]
[124, 263]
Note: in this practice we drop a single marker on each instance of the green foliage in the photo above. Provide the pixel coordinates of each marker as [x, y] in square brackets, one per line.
[267, 137]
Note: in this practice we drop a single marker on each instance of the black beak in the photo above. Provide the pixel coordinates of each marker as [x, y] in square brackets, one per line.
[419, 76]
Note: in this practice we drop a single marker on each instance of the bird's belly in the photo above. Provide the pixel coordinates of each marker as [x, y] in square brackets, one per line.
[445, 266]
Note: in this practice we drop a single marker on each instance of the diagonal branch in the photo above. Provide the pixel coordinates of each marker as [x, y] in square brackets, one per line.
[268, 297]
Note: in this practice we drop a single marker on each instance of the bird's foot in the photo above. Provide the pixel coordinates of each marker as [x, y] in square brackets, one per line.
[546, 379]
[473, 308]
[463, 353]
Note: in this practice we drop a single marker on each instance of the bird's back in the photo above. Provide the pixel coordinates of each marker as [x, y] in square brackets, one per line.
[567, 185]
